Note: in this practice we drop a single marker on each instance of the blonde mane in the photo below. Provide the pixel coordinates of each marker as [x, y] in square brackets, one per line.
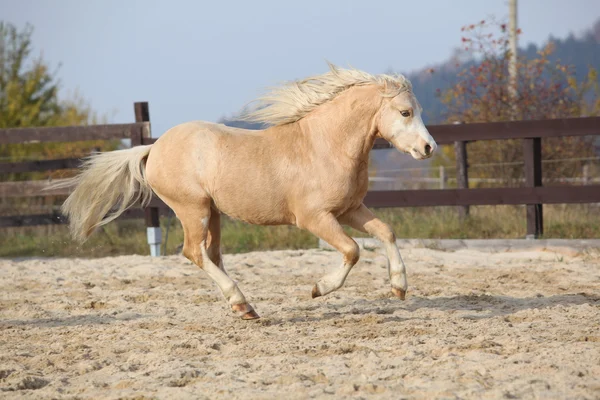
[292, 101]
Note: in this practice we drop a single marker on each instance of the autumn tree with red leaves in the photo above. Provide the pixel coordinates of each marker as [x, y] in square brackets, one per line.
[545, 90]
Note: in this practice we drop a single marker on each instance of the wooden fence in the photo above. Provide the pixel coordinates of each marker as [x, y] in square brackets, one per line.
[138, 133]
[533, 194]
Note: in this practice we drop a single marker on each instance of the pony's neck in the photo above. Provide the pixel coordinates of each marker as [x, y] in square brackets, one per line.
[346, 125]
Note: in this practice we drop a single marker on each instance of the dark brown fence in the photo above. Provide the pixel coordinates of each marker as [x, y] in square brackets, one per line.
[533, 195]
[138, 132]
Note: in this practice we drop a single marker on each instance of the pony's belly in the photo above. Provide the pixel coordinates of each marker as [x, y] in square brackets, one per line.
[255, 212]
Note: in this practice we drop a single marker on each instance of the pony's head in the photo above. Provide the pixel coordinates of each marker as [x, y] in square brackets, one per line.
[400, 123]
[399, 117]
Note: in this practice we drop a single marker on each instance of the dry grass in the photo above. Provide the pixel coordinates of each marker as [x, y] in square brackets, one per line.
[129, 236]
[572, 221]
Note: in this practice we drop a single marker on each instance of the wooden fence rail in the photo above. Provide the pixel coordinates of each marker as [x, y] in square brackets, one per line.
[72, 133]
[533, 194]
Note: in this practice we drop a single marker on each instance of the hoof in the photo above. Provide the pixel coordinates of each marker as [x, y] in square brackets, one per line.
[316, 292]
[251, 315]
[400, 293]
[245, 311]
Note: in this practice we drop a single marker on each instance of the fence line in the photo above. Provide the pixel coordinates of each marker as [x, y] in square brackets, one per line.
[404, 183]
[484, 165]
[533, 195]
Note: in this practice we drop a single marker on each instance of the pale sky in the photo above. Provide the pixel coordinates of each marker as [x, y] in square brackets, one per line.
[201, 60]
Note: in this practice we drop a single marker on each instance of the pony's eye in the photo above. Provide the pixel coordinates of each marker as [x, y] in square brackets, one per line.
[405, 113]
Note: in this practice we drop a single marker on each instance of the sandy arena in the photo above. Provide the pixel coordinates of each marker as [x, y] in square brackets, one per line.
[475, 325]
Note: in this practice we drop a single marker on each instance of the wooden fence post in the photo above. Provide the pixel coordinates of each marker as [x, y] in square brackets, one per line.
[532, 151]
[586, 174]
[462, 174]
[443, 177]
[142, 114]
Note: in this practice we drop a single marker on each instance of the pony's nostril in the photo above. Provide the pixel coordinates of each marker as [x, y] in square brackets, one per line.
[427, 149]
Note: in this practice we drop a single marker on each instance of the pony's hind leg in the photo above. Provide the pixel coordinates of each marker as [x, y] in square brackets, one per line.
[196, 224]
[362, 219]
[328, 228]
[214, 242]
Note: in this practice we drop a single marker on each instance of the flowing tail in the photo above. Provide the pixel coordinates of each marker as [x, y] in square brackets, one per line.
[108, 184]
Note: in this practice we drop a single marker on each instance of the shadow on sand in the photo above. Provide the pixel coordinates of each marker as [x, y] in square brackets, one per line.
[99, 319]
[494, 306]
[482, 306]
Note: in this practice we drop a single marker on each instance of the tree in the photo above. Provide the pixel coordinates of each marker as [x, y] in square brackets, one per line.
[29, 96]
[545, 90]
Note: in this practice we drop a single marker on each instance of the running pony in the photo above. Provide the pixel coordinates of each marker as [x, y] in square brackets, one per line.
[309, 169]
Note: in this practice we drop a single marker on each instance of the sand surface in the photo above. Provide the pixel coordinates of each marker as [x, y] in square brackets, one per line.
[475, 325]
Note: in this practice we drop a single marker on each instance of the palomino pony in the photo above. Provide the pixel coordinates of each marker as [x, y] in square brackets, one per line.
[309, 169]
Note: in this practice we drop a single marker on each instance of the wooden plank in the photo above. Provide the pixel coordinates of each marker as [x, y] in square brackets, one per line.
[142, 111]
[36, 188]
[32, 188]
[532, 151]
[57, 219]
[142, 114]
[42, 165]
[443, 134]
[136, 137]
[393, 198]
[462, 174]
[31, 220]
[402, 198]
[69, 133]
[447, 134]
[487, 196]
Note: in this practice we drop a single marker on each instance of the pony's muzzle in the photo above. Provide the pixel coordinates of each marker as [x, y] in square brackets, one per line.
[423, 149]
[428, 149]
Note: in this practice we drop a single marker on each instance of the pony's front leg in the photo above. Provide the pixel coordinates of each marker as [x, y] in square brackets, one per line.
[326, 227]
[362, 219]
